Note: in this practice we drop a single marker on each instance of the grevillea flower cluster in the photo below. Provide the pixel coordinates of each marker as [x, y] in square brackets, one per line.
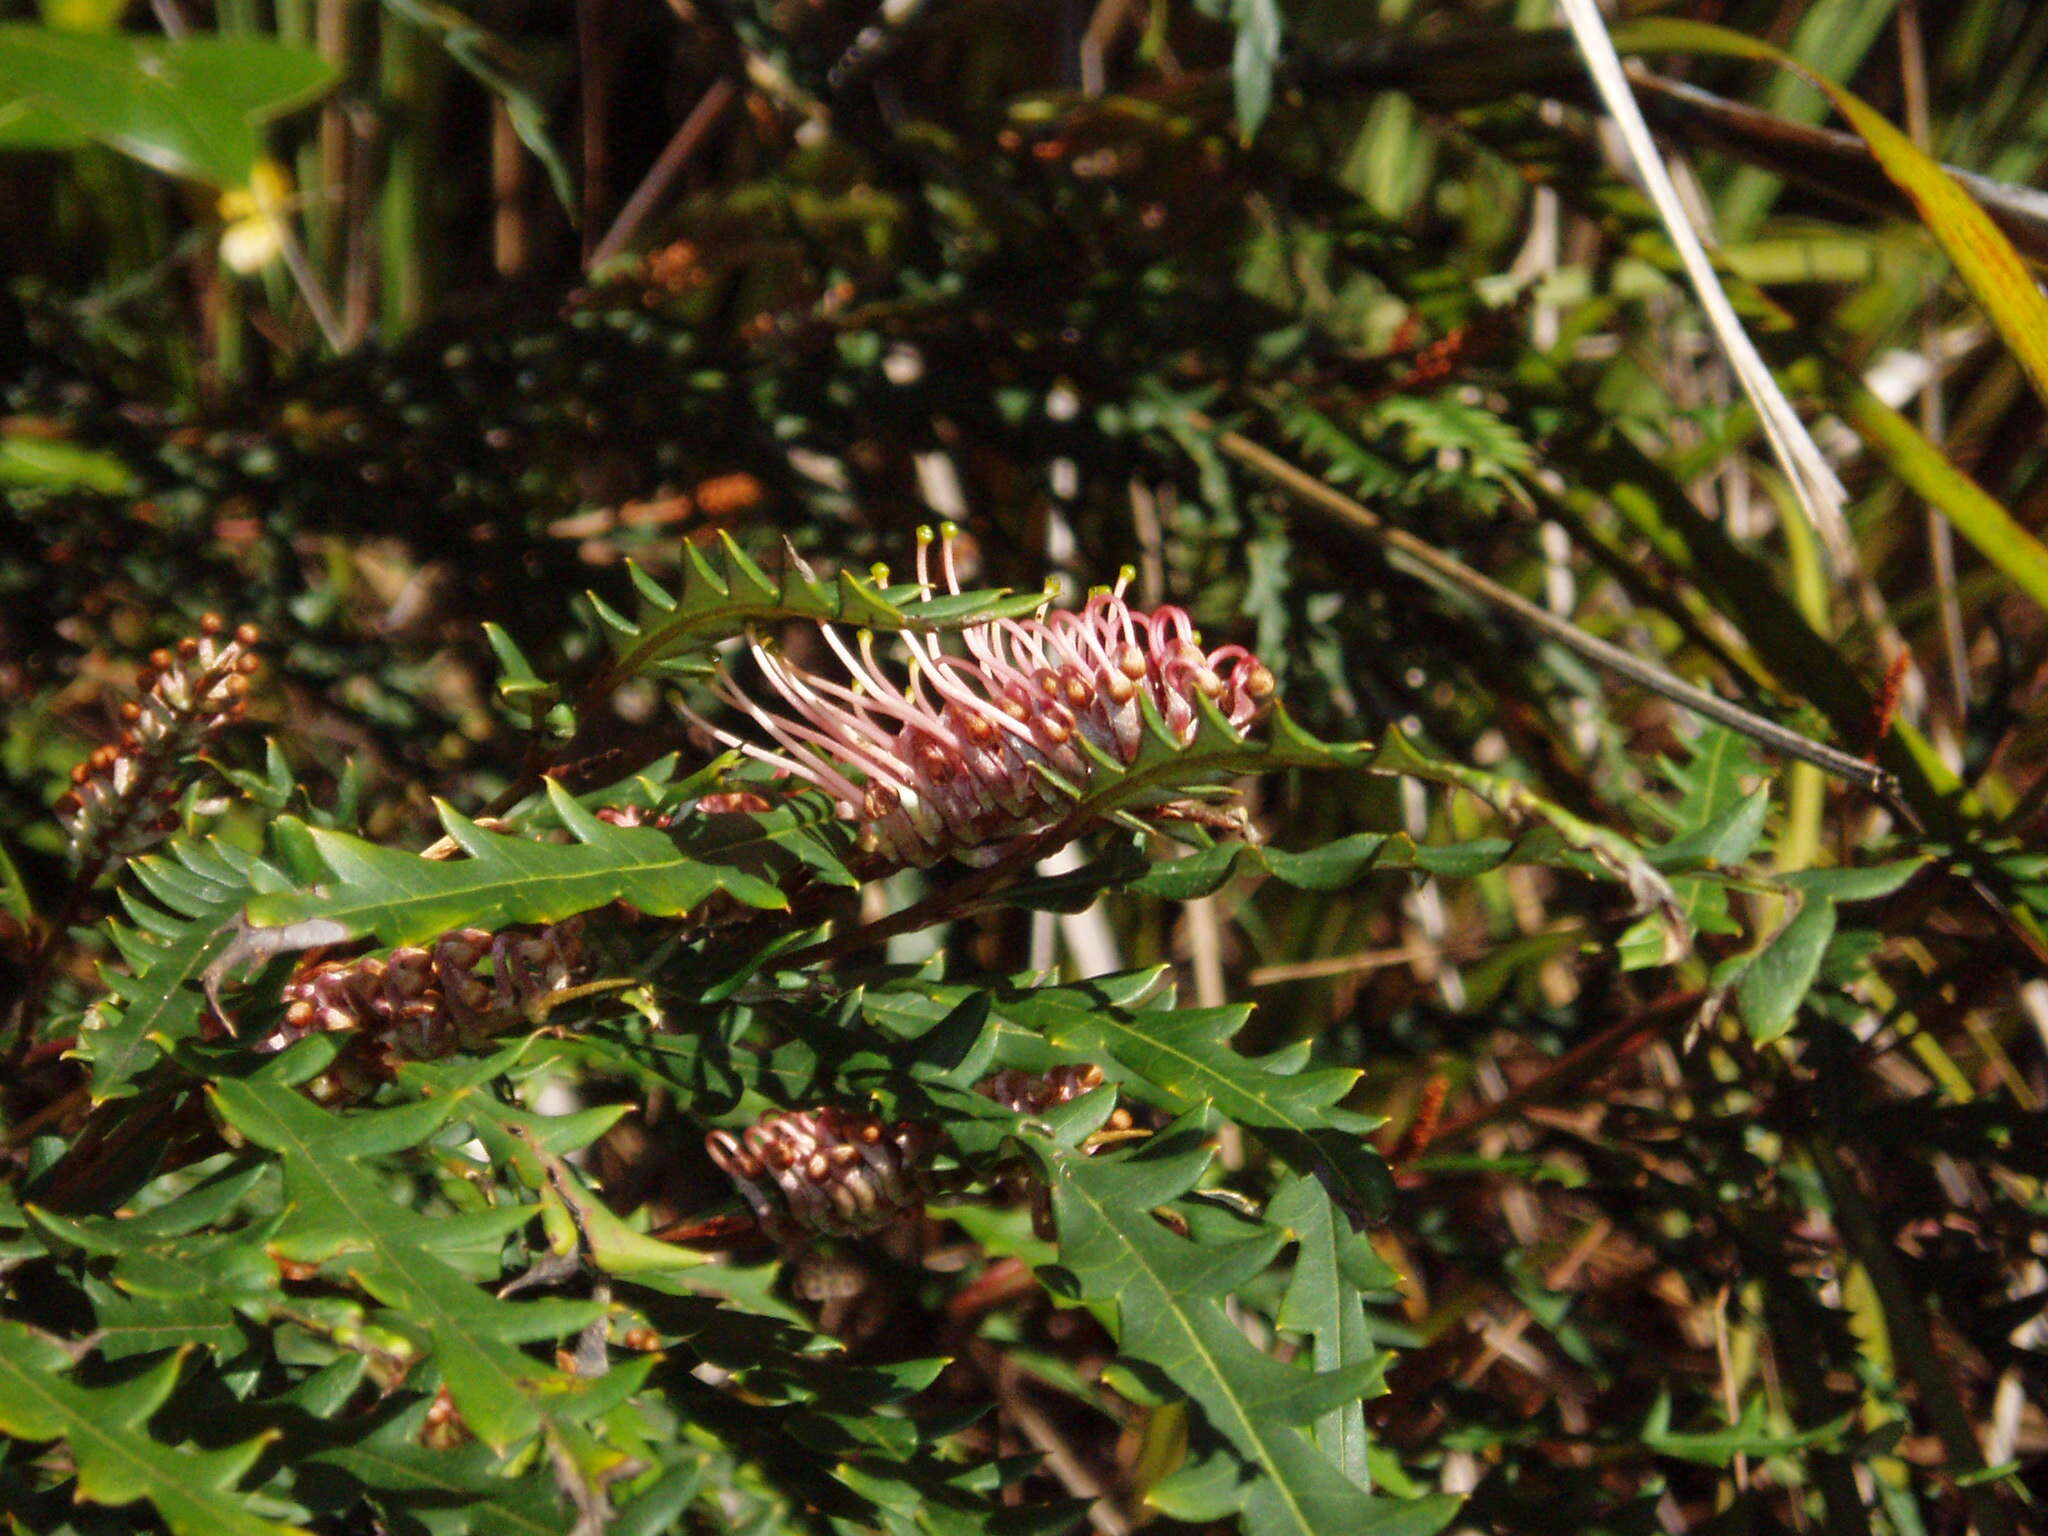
[421, 1003]
[839, 1173]
[830, 1171]
[120, 800]
[949, 761]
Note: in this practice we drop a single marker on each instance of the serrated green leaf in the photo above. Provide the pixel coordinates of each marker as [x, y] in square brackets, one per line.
[1323, 1302]
[723, 591]
[118, 1461]
[1182, 1059]
[1710, 779]
[167, 949]
[335, 1211]
[463, 1489]
[518, 683]
[1165, 1289]
[515, 1135]
[401, 898]
[124, 1325]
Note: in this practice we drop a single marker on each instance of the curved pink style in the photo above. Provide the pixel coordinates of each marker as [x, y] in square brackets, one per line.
[944, 764]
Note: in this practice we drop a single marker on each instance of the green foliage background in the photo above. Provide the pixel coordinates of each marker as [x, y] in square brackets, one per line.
[1557, 1117]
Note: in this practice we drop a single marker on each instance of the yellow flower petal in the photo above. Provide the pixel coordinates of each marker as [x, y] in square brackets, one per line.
[254, 235]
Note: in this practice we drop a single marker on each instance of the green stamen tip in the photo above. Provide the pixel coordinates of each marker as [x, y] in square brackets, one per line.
[949, 530]
[924, 533]
[878, 573]
[1127, 573]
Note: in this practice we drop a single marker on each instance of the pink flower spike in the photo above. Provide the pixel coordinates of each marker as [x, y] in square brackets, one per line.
[948, 760]
[790, 736]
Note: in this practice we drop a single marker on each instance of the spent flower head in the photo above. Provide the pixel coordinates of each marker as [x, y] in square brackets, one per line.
[424, 1002]
[831, 1171]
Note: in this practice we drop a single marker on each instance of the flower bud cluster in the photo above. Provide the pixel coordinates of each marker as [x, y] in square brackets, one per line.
[420, 1003]
[952, 760]
[708, 805]
[830, 1171]
[1027, 1093]
[838, 1173]
[121, 797]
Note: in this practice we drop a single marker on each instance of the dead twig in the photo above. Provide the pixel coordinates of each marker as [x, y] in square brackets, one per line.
[661, 176]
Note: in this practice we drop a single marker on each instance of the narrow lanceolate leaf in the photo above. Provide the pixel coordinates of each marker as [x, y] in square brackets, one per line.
[401, 898]
[1977, 515]
[723, 592]
[1166, 1291]
[176, 1277]
[106, 1432]
[339, 1214]
[1983, 256]
[1182, 1060]
[1779, 978]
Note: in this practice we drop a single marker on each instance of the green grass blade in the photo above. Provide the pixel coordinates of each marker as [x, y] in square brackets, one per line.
[1983, 256]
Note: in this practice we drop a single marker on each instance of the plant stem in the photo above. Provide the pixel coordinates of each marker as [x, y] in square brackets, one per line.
[1619, 1040]
[1452, 575]
[655, 185]
[308, 283]
[941, 906]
